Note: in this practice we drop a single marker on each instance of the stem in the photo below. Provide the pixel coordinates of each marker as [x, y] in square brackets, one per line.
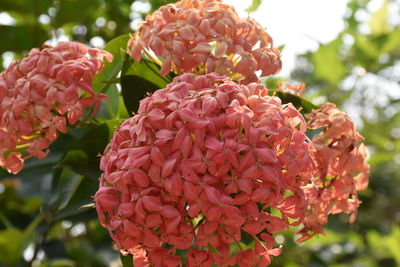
[236, 242]
[5, 221]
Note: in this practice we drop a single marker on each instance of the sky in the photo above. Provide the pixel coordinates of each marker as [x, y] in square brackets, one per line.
[297, 24]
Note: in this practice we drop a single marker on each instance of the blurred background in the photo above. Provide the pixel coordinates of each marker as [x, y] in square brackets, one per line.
[345, 51]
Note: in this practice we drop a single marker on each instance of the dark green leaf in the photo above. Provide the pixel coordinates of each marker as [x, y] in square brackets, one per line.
[76, 11]
[19, 38]
[299, 102]
[83, 156]
[81, 196]
[127, 260]
[134, 89]
[138, 79]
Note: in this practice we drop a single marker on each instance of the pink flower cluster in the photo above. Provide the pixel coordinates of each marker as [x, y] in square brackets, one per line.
[204, 36]
[203, 163]
[342, 169]
[41, 94]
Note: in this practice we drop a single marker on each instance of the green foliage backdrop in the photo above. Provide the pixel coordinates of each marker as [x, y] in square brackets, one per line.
[46, 214]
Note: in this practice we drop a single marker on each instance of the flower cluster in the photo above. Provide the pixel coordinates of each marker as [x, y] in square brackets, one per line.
[341, 169]
[205, 162]
[41, 94]
[204, 36]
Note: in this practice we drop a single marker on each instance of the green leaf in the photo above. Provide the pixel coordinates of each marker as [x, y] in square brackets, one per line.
[111, 69]
[83, 156]
[392, 42]
[77, 204]
[146, 69]
[111, 108]
[127, 260]
[13, 242]
[76, 11]
[65, 184]
[379, 20]
[11, 252]
[138, 79]
[20, 38]
[327, 63]
[299, 102]
[255, 4]
[134, 89]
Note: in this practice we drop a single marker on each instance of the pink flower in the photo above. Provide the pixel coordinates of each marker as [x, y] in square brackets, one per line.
[203, 160]
[40, 93]
[205, 36]
[341, 171]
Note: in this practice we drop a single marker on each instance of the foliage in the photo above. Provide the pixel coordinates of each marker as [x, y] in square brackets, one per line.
[359, 70]
[46, 212]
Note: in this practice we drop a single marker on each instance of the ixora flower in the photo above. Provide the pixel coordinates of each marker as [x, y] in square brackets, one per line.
[43, 93]
[203, 163]
[342, 169]
[204, 36]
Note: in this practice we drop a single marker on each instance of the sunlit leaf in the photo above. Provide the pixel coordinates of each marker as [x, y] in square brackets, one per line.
[255, 4]
[328, 65]
[379, 20]
[111, 69]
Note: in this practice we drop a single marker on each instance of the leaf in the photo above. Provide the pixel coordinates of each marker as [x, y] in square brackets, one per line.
[299, 102]
[20, 38]
[327, 63]
[392, 42]
[111, 69]
[65, 184]
[255, 4]
[379, 20]
[134, 89]
[111, 108]
[127, 260]
[138, 79]
[82, 157]
[76, 205]
[13, 242]
[68, 11]
[312, 133]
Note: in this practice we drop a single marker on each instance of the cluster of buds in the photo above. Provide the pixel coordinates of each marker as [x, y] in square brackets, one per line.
[205, 161]
[42, 94]
[204, 36]
[342, 169]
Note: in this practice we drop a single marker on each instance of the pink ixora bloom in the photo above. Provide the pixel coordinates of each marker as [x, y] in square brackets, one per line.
[341, 171]
[43, 93]
[204, 36]
[204, 161]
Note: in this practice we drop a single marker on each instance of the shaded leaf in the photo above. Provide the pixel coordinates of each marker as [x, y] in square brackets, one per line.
[138, 79]
[127, 260]
[20, 38]
[83, 156]
[304, 105]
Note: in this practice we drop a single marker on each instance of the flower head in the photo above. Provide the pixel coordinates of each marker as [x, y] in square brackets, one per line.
[43, 93]
[205, 161]
[204, 36]
[341, 171]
